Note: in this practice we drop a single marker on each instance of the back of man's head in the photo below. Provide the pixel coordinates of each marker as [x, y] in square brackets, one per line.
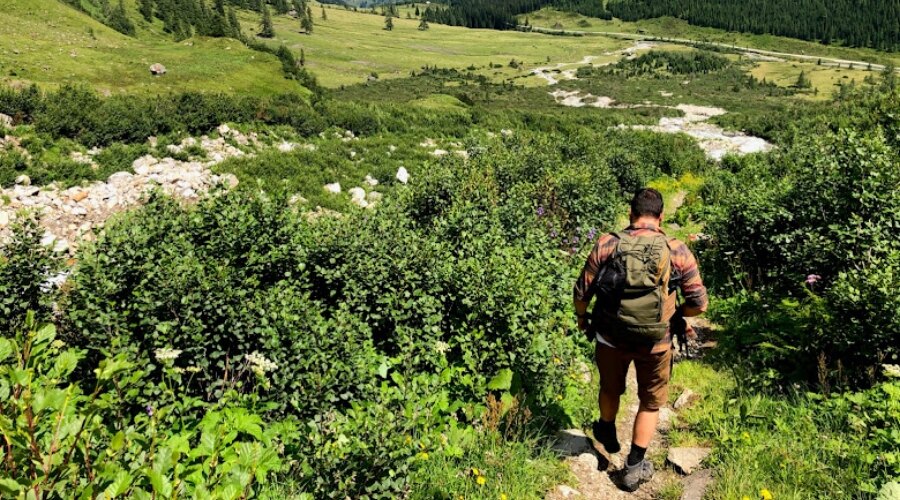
[647, 202]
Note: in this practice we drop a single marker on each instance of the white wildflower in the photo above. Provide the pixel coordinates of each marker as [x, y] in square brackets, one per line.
[166, 354]
[441, 346]
[891, 371]
[194, 369]
[260, 364]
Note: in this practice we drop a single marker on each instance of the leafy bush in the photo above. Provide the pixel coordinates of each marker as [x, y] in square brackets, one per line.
[823, 213]
[62, 442]
[25, 266]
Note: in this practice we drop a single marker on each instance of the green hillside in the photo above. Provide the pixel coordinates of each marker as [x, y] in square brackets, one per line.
[49, 43]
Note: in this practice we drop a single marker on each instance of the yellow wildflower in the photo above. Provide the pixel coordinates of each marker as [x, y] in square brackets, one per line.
[475, 472]
[423, 455]
[745, 497]
[480, 480]
[503, 496]
[765, 494]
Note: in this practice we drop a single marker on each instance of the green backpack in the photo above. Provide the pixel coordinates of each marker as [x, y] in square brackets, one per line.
[633, 289]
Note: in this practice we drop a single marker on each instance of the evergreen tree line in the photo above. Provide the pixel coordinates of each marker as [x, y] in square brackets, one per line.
[112, 15]
[856, 23]
[498, 14]
[184, 18]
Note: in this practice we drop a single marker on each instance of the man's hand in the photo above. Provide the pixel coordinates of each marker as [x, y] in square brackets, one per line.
[679, 327]
[584, 324]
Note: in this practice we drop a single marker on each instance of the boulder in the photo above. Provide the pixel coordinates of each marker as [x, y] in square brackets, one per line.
[686, 399]
[686, 460]
[333, 188]
[6, 121]
[665, 419]
[402, 175]
[572, 443]
[157, 69]
[23, 180]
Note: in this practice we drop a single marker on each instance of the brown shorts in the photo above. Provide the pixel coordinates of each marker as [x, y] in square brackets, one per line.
[652, 370]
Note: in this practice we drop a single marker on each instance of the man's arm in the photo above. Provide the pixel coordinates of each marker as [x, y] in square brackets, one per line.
[691, 284]
[583, 291]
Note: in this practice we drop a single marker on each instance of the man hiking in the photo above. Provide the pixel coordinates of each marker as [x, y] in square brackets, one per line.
[634, 276]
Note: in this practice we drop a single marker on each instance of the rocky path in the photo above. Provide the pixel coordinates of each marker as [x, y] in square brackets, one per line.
[715, 141]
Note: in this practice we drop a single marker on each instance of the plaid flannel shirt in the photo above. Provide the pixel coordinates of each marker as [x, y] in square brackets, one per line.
[685, 274]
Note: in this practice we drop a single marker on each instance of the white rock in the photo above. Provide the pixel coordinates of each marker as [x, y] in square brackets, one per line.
[334, 188]
[392, 148]
[224, 129]
[4, 219]
[567, 491]
[506, 132]
[357, 193]
[5, 121]
[23, 180]
[173, 148]
[686, 399]
[374, 197]
[286, 147]
[439, 152]
[685, 460]
[79, 211]
[361, 203]
[371, 181]
[402, 175]
[120, 179]
[297, 200]
[352, 154]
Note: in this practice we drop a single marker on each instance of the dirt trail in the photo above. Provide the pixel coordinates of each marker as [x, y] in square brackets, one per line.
[596, 472]
[686, 41]
[598, 479]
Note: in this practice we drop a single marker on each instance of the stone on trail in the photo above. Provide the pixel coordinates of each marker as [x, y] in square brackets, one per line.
[567, 491]
[685, 460]
[572, 443]
[589, 460]
[686, 399]
[695, 485]
[665, 419]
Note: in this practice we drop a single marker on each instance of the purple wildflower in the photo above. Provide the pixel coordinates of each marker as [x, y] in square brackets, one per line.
[540, 211]
[149, 410]
[553, 234]
[592, 233]
[812, 279]
[575, 239]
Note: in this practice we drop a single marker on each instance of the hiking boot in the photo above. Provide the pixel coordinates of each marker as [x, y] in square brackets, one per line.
[606, 434]
[636, 475]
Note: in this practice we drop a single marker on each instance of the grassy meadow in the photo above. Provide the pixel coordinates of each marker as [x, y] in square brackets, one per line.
[51, 44]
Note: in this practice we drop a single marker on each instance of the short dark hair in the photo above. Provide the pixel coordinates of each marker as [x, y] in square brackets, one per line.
[647, 201]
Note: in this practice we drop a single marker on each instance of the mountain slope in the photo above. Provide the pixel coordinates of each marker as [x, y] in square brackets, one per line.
[49, 43]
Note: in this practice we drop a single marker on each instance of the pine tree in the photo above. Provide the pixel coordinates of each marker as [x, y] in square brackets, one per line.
[219, 6]
[418, 14]
[324, 15]
[266, 30]
[117, 19]
[423, 25]
[145, 7]
[803, 81]
[306, 22]
[302, 57]
[388, 23]
[234, 26]
[281, 7]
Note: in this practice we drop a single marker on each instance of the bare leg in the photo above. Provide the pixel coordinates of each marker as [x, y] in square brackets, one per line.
[644, 427]
[609, 406]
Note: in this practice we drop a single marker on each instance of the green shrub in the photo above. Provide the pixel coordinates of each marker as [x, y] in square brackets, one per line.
[25, 266]
[63, 442]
